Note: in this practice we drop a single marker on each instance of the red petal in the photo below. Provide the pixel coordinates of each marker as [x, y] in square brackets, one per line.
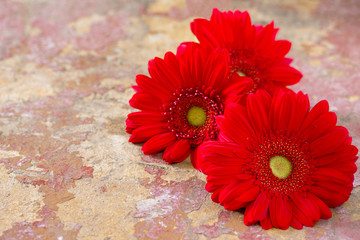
[314, 209]
[347, 167]
[266, 222]
[235, 205]
[299, 112]
[200, 27]
[273, 212]
[234, 190]
[168, 76]
[212, 188]
[225, 161]
[280, 110]
[144, 133]
[215, 69]
[211, 151]
[235, 114]
[215, 195]
[158, 143]
[258, 112]
[195, 156]
[343, 189]
[245, 37]
[239, 86]
[177, 152]
[153, 86]
[319, 127]
[331, 175]
[220, 180]
[332, 199]
[171, 71]
[284, 75]
[249, 195]
[325, 212]
[261, 206]
[284, 213]
[248, 215]
[280, 48]
[265, 37]
[319, 109]
[144, 101]
[347, 153]
[305, 206]
[138, 119]
[222, 171]
[329, 142]
[296, 223]
[299, 218]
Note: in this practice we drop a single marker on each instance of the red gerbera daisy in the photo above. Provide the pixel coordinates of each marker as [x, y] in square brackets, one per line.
[285, 164]
[180, 101]
[254, 52]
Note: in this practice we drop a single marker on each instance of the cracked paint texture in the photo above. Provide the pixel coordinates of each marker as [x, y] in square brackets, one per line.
[66, 69]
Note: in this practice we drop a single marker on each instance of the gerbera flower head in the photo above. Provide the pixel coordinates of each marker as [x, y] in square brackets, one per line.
[254, 52]
[178, 103]
[285, 164]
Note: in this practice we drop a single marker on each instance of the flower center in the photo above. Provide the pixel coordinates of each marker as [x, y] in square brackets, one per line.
[196, 116]
[244, 63]
[241, 74]
[281, 164]
[280, 167]
[191, 114]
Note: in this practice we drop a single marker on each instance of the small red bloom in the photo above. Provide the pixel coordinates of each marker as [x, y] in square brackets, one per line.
[180, 101]
[282, 162]
[254, 52]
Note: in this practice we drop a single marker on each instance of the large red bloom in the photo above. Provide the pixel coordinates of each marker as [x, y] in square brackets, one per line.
[284, 163]
[254, 52]
[180, 100]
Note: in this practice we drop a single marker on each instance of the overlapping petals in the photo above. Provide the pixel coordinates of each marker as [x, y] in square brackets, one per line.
[224, 102]
[320, 152]
[195, 76]
[254, 52]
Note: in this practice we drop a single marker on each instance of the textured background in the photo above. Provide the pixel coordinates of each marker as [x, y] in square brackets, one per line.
[66, 67]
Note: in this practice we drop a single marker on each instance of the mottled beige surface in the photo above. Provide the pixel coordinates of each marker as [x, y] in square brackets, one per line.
[67, 170]
[15, 205]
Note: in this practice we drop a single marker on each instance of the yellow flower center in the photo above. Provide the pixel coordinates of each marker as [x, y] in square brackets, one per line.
[280, 167]
[241, 74]
[196, 116]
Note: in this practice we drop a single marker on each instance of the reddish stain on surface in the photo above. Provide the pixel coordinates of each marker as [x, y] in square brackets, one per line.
[66, 11]
[338, 73]
[120, 88]
[12, 28]
[43, 139]
[216, 229]
[48, 43]
[165, 213]
[340, 228]
[346, 33]
[198, 8]
[50, 33]
[103, 188]
[103, 33]
[48, 228]
[17, 162]
[157, 158]
[44, 132]
[337, 76]
[254, 232]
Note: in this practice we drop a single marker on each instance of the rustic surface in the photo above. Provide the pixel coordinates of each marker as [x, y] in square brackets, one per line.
[66, 67]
